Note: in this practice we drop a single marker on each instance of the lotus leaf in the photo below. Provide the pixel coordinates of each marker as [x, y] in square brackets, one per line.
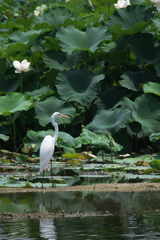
[25, 37]
[144, 47]
[72, 39]
[46, 108]
[151, 87]
[64, 139]
[78, 85]
[14, 102]
[146, 112]
[40, 93]
[54, 16]
[134, 80]
[60, 60]
[130, 20]
[110, 120]
[98, 141]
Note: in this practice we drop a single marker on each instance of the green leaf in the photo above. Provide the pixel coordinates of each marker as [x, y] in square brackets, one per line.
[146, 112]
[110, 120]
[33, 137]
[66, 140]
[78, 85]
[144, 46]
[98, 141]
[46, 108]
[4, 137]
[154, 137]
[60, 60]
[110, 97]
[17, 48]
[130, 20]
[40, 93]
[155, 164]
[13, 102]
[72, 39]
[36, 138]
[53, 17]
[151, 87]
[25, 37]
[134, 80]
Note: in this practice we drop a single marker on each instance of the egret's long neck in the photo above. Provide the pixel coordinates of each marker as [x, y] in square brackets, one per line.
[55, 129]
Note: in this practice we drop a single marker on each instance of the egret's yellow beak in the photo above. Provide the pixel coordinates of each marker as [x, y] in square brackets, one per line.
[64, 116]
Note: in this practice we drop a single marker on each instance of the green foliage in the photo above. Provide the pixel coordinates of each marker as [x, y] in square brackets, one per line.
[98, 65]
[99, 141]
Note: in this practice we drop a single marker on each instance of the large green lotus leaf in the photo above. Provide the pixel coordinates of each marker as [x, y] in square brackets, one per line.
[111, 97]
[110, 120]
[53, 17]
[45, 109]
[14, 102]
[98, 141]
[72, 39]
[8, 83]
[147, 113]
[60, 60]
[15, 49]
[25, 37]
[66, 140]
[33, 137]
[145, 48]
[134, 80]
[78, 85]
[130, 20]
[41, 92]
[151, 87]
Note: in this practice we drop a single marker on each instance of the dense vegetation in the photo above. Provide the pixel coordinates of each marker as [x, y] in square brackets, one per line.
[96, 64]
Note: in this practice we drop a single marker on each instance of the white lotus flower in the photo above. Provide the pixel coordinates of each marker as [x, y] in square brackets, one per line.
[156, 4]
[39, 9]
[158, 7]
[21, 66]
[155, 1]
[122, 4]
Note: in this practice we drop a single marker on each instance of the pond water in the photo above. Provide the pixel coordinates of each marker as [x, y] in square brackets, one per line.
[133, 215]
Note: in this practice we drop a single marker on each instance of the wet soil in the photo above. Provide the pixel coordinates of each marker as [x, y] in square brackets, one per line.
[111, 187]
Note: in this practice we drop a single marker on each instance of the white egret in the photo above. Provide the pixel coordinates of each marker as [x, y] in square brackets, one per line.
[48, 144]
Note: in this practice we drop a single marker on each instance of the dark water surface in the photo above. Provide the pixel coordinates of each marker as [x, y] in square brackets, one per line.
[134, 215]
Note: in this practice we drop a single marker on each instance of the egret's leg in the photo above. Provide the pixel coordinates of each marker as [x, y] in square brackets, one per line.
[42, 180]
[52, 175]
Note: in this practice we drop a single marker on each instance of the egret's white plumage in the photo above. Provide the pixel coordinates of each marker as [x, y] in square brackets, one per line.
[48, 143]
[46, 151]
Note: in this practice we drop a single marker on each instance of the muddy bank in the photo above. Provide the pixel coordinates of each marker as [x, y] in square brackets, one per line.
[10, 216]
[111, 187]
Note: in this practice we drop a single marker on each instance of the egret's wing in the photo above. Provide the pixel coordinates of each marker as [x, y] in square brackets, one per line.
[46, 151]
